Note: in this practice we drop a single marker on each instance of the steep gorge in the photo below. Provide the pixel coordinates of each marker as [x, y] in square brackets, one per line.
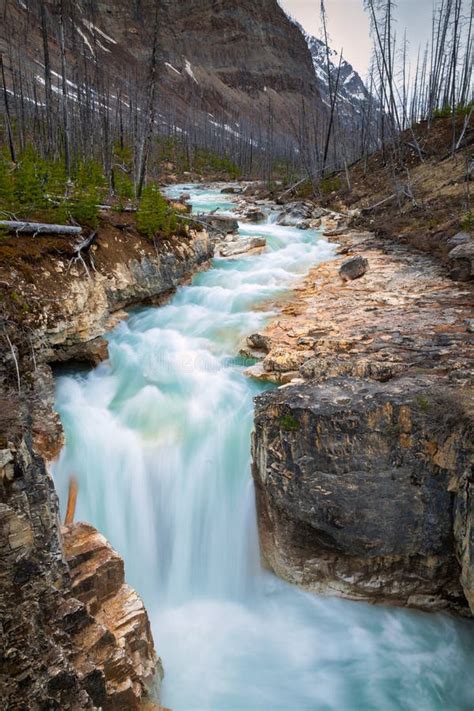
[74, 635]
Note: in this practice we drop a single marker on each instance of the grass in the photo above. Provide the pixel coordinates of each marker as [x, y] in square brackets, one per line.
[289, 423]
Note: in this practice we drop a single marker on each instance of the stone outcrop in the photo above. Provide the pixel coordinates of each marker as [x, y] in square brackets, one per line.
[362, 460]
[74, 635]
[360, 490]
[294, 213]
[405, 315]
[86, 308]
[238, 246]
[220, 223]
[36, 671]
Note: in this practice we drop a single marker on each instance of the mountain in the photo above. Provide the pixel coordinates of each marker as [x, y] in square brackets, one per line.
[353, 95]
[237, 66]
[354, 102]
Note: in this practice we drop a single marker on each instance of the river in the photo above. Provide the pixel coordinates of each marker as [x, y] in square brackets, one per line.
[159, 437]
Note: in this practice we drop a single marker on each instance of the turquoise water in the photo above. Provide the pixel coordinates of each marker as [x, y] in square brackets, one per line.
[159, 438]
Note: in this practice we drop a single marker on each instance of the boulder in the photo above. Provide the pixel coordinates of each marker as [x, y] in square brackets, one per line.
[295, 213]
[254, 214]
[457, 239]
[229, 191]
[221, 222]
[241, 246]
[461, 260]
[363, 490]
[353, 268]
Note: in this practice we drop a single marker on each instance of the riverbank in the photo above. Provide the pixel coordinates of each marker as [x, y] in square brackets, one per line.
[400, 330]
[65, 649]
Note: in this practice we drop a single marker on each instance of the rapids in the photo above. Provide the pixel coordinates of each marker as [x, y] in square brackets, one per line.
[159, 437]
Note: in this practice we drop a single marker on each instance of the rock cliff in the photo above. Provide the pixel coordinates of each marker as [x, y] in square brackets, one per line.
[363, 459]
[360, 487]
[74, 635]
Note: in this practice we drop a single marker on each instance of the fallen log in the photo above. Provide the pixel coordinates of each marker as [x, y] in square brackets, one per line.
[290, 190]
[126, 208]
[35, 228]
[378, 204]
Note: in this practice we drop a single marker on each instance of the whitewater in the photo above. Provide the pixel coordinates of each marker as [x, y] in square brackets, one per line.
[159, 439]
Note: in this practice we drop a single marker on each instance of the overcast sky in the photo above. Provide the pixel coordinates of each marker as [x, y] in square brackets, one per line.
[349, 25]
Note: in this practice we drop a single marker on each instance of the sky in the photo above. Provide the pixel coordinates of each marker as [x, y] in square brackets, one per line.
[348, 25]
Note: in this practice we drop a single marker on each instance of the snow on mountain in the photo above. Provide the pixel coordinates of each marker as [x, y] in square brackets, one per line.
[352, 95]
[351, 89]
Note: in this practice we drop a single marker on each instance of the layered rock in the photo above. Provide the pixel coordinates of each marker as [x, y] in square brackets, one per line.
[74, 635]
[403, 314]
[36, 654]
[362, 460]
[113, 647]
[360, 487]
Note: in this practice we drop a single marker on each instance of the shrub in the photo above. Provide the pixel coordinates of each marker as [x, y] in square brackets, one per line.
[84, 205]
[88, 184]
[446, 110]
[123, 187]
[442, 112]
[467, 221]
[30, 179]
[56, 192]
[305, 190]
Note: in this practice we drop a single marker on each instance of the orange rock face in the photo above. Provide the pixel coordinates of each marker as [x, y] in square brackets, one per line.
[113, 642]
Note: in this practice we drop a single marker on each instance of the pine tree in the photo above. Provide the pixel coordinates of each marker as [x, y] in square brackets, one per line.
[154, 214]
[30, 184]
[7, 193]
[56, 187]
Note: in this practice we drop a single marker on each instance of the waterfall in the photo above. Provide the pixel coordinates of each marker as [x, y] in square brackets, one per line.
[159, 438]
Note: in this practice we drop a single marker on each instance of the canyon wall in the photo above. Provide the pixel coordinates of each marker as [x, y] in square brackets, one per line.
[363, 458]
[74, 634]
[363, 490]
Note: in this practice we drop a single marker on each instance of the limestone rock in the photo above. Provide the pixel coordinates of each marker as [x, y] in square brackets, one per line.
[355, 483]
[226, 224]
[295, 213]
[259, 342]
[254, 214]
[240, 246]
[117, 641]
[37, 670]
